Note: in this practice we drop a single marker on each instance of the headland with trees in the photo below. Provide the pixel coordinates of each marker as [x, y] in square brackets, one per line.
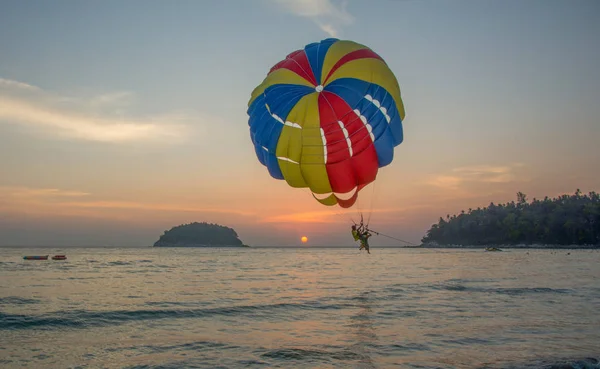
[566, 221]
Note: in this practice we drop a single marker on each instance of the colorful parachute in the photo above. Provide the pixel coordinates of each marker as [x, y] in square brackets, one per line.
[327, 118]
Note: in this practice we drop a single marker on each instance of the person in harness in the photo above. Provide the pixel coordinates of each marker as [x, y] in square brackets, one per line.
[362, 234]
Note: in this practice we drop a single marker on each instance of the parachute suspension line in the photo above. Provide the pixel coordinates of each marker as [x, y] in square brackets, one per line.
[357, 202]
[359, 212]
[343, 213]
[343, 216]
[373, 182]
[372, 202]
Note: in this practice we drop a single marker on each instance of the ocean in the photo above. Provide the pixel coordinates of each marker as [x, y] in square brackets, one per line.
[299, 308]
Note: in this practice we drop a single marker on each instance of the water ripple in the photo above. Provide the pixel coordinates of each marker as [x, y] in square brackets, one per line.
[85, 319]
[300, 308]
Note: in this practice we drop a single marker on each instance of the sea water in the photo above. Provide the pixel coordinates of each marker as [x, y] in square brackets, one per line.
[299, 308]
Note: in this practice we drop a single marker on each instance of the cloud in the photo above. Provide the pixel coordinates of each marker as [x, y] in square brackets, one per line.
[7, 83]
[329, 16]
[336, 216]
[152, 206]
[119, 98]
[478, 173]
[486, 173]
[445, 181]
[22, 194]
[303, 217]
[101, 118]
[38, 193]
[45, 201]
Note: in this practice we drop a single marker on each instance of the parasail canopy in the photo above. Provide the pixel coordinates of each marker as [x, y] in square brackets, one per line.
[327, 117]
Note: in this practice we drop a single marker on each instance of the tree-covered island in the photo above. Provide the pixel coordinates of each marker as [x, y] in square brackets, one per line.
[199, 235]
[564, 221]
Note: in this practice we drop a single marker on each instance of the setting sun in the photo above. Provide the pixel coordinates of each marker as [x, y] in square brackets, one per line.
[304, 239]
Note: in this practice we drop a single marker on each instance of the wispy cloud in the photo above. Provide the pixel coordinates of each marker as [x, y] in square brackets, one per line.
[99, 118]
[477, 173]
[7, 83]
[303, 217]
[487, 173]
[336, 215]
[330, 16]
[69, 202]
[102, 204]
[39, 193]
[113, 99]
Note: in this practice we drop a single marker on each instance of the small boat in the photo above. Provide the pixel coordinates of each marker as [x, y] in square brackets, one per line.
[492, 249]
[36, 257]
[59, 257]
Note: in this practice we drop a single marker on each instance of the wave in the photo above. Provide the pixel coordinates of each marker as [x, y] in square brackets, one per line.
[461, 285]
[311, 354]
[15, 300]
[314, 356]
[579, 363]
[503, 291]
[84, 319]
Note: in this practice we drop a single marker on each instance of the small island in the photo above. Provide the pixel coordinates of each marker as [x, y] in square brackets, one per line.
[567, 221]
[199, 235]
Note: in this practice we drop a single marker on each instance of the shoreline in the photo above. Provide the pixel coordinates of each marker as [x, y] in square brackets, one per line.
[518, 246]
[523, 247]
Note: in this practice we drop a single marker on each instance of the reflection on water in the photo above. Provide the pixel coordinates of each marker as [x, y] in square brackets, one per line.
[299, 308]
[363, 330]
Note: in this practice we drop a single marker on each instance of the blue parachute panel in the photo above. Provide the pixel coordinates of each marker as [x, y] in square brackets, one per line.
[315, 54]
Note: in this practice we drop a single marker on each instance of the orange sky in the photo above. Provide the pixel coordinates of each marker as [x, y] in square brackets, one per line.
[268, 212]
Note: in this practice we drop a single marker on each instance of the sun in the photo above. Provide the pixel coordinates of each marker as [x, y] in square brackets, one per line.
[304, 239]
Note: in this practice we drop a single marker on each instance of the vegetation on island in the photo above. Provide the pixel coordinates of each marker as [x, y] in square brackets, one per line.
[199, 235]
[564, 220]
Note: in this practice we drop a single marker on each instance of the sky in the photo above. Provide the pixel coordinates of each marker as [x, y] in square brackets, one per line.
[120, 120]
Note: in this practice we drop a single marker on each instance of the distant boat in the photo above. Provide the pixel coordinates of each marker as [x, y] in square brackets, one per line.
[59, 257]
[36, 257]
[492, 249]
